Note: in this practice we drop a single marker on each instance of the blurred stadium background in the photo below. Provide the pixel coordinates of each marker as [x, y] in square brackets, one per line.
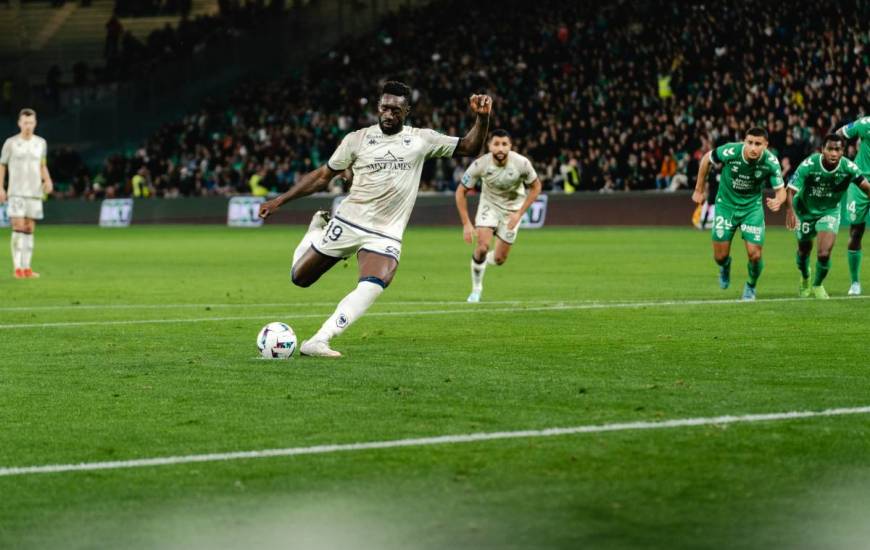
[199, 98]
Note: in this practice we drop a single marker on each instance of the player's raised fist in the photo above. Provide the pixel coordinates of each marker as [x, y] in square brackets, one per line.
[481, 104]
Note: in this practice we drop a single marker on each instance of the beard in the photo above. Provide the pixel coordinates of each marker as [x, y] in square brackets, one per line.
[387, 130]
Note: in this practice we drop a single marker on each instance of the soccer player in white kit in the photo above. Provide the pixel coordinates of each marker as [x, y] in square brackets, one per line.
[387, 161]
[24, 156]
[504, 176]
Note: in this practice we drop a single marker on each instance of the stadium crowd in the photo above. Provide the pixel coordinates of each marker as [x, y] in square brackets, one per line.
[602, 97]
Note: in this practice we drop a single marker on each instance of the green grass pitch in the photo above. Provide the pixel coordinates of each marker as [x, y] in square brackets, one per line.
[169, 368]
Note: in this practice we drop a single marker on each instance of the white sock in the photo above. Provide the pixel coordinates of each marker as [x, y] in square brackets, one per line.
[490, 257]
[349, 310]
[306, 242]
[26, 250]
[477, 272]
[16, 249]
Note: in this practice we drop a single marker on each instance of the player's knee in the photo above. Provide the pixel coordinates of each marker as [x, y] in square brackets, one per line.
[299, 280]
[499, 260]
[754, 256]
[824, 257]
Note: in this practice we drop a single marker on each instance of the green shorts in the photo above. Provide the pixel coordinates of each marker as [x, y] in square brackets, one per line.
[728, 220]
[808, 226]
[857, 206]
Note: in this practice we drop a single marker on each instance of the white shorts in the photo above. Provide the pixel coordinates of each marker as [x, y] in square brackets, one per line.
[496, 218]
[342, 239]
[23, 207]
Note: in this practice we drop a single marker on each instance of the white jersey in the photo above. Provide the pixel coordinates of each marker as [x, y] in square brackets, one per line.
[386, 175]
[23, 159]
[501, 186]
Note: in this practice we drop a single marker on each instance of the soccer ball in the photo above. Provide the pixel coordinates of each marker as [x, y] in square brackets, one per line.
[276, 341]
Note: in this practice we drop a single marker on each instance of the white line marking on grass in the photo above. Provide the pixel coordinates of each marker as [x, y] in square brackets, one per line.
[426, 441]
[83, 307]
[466, 309]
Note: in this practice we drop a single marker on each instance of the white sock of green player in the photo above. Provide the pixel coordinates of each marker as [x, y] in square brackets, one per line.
[490, 257]
[350, 309]
[478, 270]
[26, 250]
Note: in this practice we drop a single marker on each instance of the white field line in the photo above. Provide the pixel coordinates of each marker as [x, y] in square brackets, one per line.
[83, 307]
[426, 441]
[466, 310]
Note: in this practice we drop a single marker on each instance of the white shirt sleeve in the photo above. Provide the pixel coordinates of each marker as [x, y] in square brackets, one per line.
[345, 154]
[472, 174]
[438, 145]
[529, 174]
[6, 153]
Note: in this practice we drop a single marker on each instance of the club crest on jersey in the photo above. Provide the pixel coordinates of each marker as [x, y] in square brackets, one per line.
[758, 173]
[406, 141]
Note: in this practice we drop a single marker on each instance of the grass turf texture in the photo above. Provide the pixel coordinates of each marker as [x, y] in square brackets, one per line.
[97, 392]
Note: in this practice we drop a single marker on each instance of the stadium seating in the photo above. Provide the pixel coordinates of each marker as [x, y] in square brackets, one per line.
[617, 91]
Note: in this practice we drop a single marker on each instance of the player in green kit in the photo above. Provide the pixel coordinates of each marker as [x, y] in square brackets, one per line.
[857, 204]
[746, 168]
[814, 194]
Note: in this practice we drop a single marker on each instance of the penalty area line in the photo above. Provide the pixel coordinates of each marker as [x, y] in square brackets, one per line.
[427, 441]
[466, 309]
[253, 305]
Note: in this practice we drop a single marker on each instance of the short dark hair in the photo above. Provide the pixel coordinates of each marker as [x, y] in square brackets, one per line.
[757, 131]
[26, 112]
[499, 132]
[396, 88]
[834, 137]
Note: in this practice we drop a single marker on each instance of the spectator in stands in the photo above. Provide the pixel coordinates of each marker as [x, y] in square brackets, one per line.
[114, 30]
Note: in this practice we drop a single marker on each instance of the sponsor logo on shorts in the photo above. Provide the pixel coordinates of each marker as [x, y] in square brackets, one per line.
[392, 250]
[751, 229]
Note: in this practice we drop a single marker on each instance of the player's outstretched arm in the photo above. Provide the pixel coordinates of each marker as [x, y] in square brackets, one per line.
[47, 184]
[701, 181]
[313, 181]
[777, 200]
[515, 218]
[472, 143]
[462, 208]
[790, 218]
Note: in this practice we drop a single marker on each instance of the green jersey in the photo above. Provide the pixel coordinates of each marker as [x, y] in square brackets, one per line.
[860, 129]
[819, 190]
[742, 181]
